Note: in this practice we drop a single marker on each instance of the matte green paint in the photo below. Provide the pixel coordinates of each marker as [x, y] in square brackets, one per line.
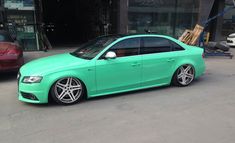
[103, 77]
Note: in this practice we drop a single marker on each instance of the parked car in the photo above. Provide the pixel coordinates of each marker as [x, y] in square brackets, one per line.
[11, 55]
[109, 65]
[231, 40]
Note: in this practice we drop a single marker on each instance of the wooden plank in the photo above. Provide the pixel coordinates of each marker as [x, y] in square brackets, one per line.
[190, 37]
[196, 34]
[182, 37]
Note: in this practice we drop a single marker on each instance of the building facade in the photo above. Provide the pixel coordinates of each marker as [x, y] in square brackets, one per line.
[172, 17]
[18, 17]
[76, 22]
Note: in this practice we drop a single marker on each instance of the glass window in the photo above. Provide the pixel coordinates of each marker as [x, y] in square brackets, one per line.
[155, 45]
[4, 37]
[169, 17]
[229, 20]
[176, 47]
[19, 4]
[128, 47]
[21, 24]
[94, 47]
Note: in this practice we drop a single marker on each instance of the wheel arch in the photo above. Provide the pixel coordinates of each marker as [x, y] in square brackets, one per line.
[185, 62]
[53, 78]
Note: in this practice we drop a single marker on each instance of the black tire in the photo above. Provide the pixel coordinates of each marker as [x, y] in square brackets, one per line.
[222, 46]
[179, 82]
[69, 94]
[211, 46]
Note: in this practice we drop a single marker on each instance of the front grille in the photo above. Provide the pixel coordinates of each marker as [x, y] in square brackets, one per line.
[229, 41]
[29, 96]
[18, 78]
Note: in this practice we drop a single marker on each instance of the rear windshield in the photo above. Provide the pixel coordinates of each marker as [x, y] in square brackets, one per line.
[4, 37]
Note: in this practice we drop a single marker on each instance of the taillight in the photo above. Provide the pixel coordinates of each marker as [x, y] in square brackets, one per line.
[203, 55]
[14, 52]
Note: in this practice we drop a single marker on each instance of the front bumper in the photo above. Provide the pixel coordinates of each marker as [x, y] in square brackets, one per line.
[40, 96]
[38, 90]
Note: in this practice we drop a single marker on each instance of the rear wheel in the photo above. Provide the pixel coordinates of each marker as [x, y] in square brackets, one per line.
[67, 91]
[184, 75]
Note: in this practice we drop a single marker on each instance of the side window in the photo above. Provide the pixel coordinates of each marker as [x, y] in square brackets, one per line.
[176, 47]
[155, 45]
[128, 47]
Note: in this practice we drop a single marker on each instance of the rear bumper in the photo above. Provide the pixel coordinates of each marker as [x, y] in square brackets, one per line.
[200, 70]
[10, 63]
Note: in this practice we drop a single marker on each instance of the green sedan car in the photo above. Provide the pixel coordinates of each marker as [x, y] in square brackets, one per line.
[109, 65]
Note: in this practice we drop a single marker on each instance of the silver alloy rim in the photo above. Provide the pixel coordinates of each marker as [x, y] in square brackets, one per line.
[185, 74]
[68, 90]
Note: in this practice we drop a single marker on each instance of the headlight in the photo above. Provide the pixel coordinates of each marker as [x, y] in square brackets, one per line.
[32, 79]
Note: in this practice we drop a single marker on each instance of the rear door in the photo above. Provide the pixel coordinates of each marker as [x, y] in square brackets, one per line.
[158, 60]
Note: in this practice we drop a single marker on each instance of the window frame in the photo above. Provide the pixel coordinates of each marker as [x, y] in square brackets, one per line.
[7, 37]
[173, 43]
[143, 46]
[109, 49]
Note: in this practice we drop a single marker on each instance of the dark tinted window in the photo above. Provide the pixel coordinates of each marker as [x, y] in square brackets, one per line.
[155, 45]
[176, 47]
[128, 47]
[94, 47]
[4, 37]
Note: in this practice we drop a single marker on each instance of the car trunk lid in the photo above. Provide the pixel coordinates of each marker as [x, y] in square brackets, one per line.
[5, 47]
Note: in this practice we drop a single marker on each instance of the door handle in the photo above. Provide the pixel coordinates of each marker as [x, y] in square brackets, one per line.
[170, 60]
[135, 64]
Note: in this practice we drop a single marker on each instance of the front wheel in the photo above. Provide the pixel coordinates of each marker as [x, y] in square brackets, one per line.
[67, 91]
[184, 75]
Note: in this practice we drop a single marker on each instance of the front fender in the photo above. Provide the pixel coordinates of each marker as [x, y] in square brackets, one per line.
[87, 79]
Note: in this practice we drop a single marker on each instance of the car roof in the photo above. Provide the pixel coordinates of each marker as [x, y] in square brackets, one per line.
[134, 35]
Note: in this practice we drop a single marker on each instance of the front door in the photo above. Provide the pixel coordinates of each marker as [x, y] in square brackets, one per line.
[123, 72]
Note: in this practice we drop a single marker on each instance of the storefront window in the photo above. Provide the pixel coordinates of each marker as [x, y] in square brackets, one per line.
[229, 20]
[22, 25]
[170, 17]
[21, 22]
[19, 4]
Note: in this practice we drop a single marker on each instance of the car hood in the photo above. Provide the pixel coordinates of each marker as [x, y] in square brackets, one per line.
[51, 64]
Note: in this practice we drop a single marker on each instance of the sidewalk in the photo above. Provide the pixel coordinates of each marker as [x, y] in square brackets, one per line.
[28, 56]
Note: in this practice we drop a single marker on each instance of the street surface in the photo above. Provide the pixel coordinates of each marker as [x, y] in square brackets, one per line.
[201, 113]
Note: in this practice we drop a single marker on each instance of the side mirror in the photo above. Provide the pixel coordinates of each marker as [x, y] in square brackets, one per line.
[110, 55]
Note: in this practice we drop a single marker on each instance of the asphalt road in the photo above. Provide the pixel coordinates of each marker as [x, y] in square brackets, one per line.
[201, 113]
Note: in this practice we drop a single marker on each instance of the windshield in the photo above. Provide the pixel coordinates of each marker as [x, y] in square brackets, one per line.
[4, 37]
[94, 47]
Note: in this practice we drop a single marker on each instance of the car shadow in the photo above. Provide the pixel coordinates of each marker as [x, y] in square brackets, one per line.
[143, 91]
[117, 95]
[8, 76]
[128, 93]
[50, 104]
[105, 97]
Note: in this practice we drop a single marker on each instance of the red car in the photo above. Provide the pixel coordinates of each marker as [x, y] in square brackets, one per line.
[11, 55]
